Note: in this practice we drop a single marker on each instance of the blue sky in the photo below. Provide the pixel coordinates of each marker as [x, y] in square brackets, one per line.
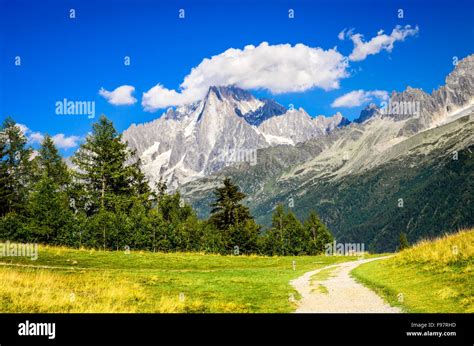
[74, 58]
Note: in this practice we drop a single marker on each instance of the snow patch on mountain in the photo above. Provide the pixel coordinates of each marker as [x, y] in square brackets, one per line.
[195, 140]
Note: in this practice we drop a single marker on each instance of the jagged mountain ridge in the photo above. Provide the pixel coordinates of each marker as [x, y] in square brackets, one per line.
[228, 125]
[429, 110]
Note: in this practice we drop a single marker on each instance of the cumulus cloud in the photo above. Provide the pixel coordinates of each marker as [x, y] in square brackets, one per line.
[23, 128]
[121, 96]
[345, 33]
[65, 142]
[35, 137]
[378, 43]
[278, 68]
[358, 97]
[60, 140]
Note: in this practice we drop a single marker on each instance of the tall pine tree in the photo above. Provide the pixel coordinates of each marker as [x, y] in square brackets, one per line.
[15, 167]
[227, 210]
[50, 218]
[110, 182]
[102, 165]
[317, 234]
[50, 163]
[230, 216]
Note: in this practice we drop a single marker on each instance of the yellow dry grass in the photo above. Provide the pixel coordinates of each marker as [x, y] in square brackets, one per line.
[36, 291]
[448, 249]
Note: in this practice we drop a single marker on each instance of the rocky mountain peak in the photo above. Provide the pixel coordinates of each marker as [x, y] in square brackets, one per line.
[195, 140]
[231, 92]
[462, 72]
[367, 113]
[246, 105]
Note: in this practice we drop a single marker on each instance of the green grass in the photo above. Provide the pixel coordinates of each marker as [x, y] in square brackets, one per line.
[323, 275]
[321, 289]
[113, 281]
[431, 277]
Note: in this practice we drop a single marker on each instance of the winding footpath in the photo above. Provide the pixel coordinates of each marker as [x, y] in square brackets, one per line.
[343, 294]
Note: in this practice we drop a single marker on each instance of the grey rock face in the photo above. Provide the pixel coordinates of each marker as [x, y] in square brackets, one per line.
[368, 112]
[427, 110]
[299, 126]
[226, 127]
[229, 125]
[370, 142]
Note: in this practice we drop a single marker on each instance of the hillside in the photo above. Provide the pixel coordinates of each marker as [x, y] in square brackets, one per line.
[435, 184]
[431, 277]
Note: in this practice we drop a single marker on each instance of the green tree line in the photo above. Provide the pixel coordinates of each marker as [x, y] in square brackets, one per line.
[105, 201]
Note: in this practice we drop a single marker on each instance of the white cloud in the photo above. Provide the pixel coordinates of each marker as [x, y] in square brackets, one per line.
[60, 140]
[120, 96]
[160, 97]
[65, 142]
[378, 43]
[23, 128]
[358, 97]
[341, 35]
[35, 137]
[31, 137]
[278, 68]
[345, 33]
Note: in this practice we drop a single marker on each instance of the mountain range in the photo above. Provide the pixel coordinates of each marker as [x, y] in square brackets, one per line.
[201, 138]
[403, 166]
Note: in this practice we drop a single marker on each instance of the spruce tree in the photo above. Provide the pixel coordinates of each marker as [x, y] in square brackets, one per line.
[102, 165]
[274, 238]
[230, 216]
[110, 182]
[50, 218]
[227, 209]
[317, 234]
[244, 237]
[51, 164]
[15, 168]
[294, 242]
[288, 236]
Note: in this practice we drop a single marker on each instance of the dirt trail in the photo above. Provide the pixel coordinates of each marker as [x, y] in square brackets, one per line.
[340, 292]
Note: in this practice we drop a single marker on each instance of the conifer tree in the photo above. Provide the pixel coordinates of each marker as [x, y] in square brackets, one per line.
[276, 235]
[232, 218]
[102, 165]
[317, 234]
[227, 209]
[49, 215]
[50, 163]
[110, 182]
[15, 168]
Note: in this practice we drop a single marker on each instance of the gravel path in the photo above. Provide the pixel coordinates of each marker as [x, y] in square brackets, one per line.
[343, 294]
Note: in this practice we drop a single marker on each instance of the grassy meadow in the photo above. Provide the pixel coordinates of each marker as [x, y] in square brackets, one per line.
[432, 276]
[66, 281]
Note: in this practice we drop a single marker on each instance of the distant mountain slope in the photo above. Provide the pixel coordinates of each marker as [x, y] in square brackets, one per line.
[355, 175]
[436, 190]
